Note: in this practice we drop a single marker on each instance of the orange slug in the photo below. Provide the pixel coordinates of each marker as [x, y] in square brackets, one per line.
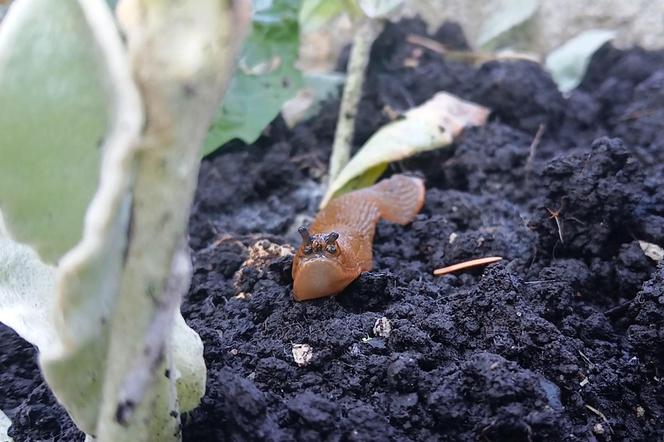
[337, 247]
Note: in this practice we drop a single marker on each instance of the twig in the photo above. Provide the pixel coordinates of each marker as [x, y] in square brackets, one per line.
[637, 114]
[585, 358]
[533, 148]
[467, 265]
[600, 414]
[613, 311]
[464, 56]
[543, 281]
[357, 65]
[428, 43]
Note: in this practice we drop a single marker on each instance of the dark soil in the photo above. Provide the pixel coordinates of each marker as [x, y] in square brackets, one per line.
[562, 340]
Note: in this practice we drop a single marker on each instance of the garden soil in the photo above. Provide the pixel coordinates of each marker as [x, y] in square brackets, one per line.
[561, 340]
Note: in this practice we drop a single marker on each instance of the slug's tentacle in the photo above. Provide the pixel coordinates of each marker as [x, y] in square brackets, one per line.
[304, 233]
[331, 237]
[337, 247]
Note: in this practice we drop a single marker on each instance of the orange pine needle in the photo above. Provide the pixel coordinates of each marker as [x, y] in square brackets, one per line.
[467, 265]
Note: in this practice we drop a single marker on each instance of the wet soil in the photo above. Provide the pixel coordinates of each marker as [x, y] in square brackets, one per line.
[562, 340]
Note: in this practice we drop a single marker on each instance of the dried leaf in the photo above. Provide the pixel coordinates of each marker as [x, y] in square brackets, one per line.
[508, 15]
[317, 88]
[569, 62]
[431, 125]
[652, 251]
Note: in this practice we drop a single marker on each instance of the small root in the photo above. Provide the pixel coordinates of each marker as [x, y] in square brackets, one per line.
[555, 215]
[533, 148]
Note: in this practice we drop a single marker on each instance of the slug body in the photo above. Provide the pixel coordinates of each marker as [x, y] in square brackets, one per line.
[337, 247]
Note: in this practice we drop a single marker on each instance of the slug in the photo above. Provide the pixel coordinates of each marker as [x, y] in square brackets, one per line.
[337, 247]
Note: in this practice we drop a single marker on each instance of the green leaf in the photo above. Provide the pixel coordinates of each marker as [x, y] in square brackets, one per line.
[65, 310]
[379, 8]
[431, 125]
[75, 366]
[568, 63]
[509, 15]
[269, 12]
[5, 423]
[265, 78]
[315, 14]
[190, 370]
[27, 289]
[51, 132]
[367, 178]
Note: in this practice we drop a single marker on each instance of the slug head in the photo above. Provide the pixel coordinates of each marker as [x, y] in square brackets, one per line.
[320, 244]
[318, 269]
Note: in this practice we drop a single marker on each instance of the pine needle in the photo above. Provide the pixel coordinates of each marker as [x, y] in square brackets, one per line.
[467, 265]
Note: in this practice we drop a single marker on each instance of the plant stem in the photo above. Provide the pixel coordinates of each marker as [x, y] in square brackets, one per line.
[366, 33]
[182, 57]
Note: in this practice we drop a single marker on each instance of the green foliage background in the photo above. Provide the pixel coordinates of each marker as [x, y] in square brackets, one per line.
[266, 75]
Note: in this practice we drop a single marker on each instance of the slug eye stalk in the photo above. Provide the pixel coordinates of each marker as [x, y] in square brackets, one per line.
[331, 237]
[304, 233]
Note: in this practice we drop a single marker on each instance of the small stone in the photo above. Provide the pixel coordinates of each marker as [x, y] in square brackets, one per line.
[382, 327]
[598, 429]
[302, 354]
[234, 352]
[652, 251]
[453, 237]
[584, 382]
[640, 411]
